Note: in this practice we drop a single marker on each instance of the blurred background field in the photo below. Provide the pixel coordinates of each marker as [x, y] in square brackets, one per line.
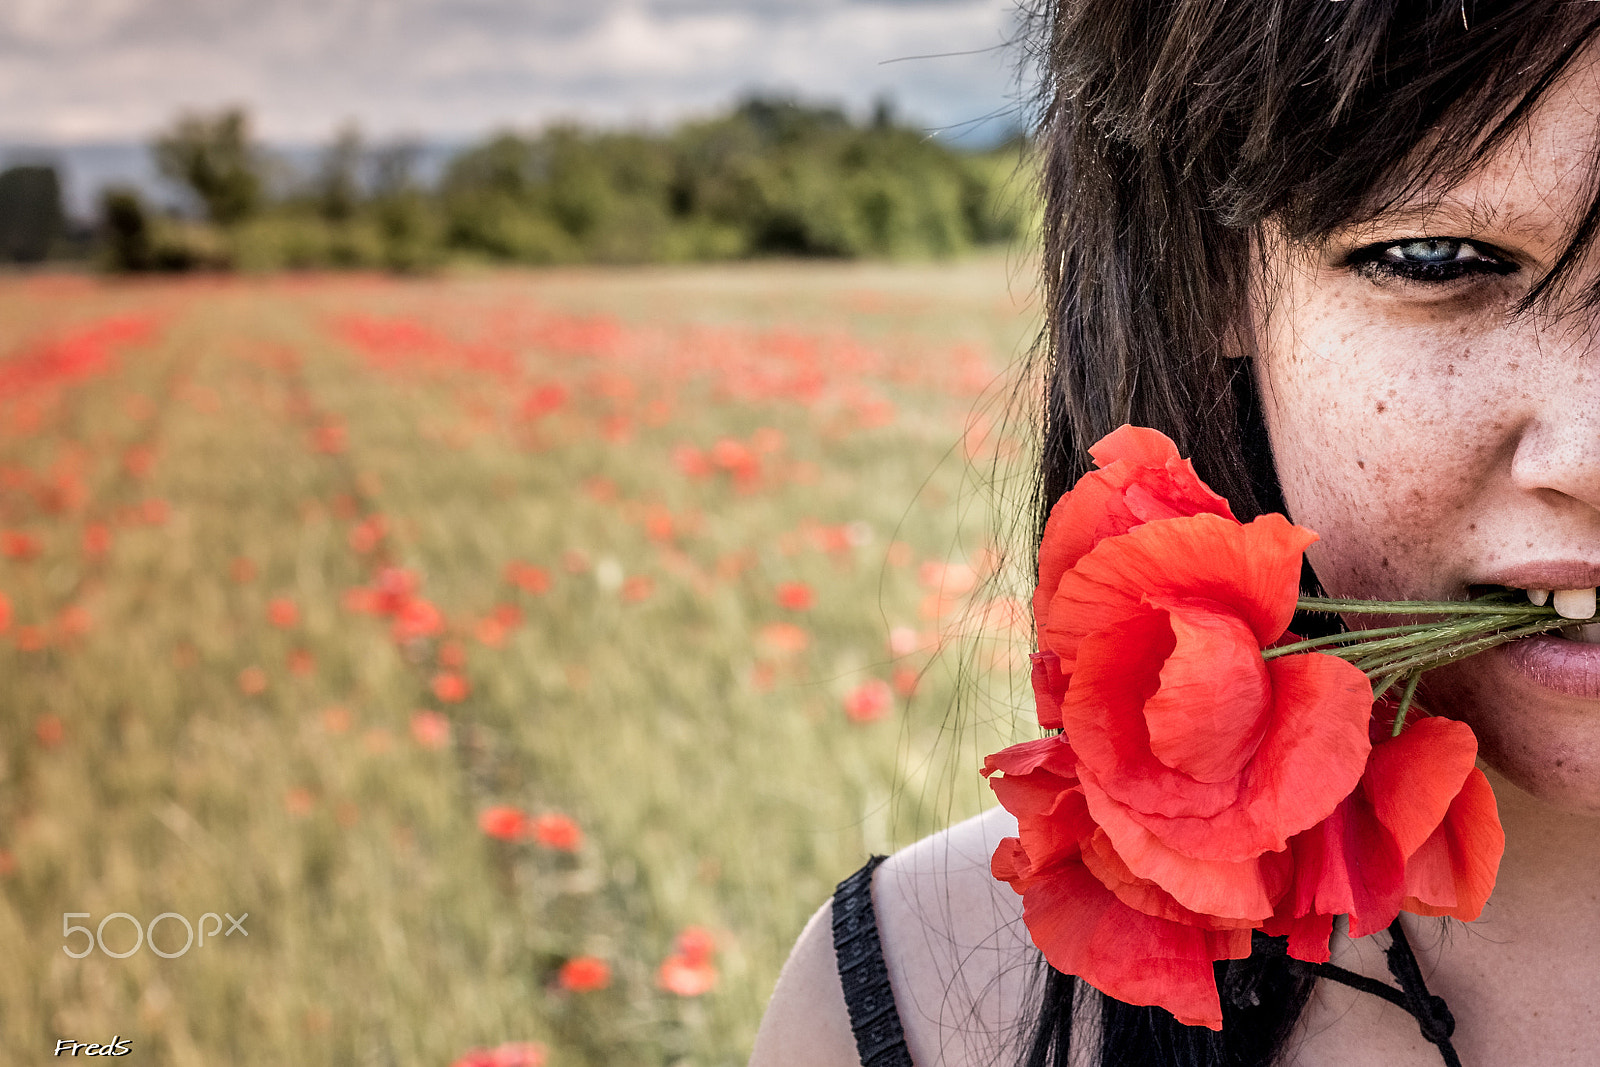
[528, 653]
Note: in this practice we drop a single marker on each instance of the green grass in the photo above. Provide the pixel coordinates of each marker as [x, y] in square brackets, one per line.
[716, 777]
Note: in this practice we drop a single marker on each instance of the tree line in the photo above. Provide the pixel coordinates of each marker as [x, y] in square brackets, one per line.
[770, 177]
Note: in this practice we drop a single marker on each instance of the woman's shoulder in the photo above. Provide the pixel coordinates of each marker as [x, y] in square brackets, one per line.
[959, 960]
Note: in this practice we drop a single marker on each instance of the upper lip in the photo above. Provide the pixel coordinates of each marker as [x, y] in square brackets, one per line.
[1546, 574]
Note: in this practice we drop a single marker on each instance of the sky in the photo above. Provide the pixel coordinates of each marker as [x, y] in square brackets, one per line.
[80, 71]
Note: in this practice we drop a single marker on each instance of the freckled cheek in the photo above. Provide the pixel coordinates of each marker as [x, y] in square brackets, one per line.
[1376, 465]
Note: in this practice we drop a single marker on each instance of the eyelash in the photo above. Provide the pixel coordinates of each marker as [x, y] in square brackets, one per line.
[1372, 262]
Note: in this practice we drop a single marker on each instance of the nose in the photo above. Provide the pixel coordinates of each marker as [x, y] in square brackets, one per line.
[1558, 450]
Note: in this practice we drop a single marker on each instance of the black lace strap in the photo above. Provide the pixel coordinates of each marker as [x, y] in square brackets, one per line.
[1432, 1014]
[879, 1038]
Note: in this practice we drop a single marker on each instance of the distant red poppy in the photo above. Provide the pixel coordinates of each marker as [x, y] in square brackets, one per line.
[692, 462]
[252, 681]
[557, 831]
[282, 612]
[785, 638]
[138, 460]
[301, 662]
[5, 613]
[243, 570]
[658, 524]
[503, 823]
[869, 701]
[513, 1054]
[299, 802]
[796, 596]
[416, 618]
[527, 577]
[96, 539]
[584, 974]
[154, 511]
[49, 729]
[638, 587]
[336, 720]
[450, 687]
[695, 943]
[430, 729]
[365, 535]
[329, 439]
[14, 544]
[542, 400]
[452, 654]
[490, 632]
[689, 972]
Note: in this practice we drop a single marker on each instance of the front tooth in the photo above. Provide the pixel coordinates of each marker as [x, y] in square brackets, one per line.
[1538, 597]
[1575, 603]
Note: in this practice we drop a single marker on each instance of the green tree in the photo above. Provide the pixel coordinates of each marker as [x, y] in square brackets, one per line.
[31, 218]
[125, 226]
[213, 156]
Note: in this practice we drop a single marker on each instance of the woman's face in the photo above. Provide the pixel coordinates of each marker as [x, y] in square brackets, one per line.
[1438, 442]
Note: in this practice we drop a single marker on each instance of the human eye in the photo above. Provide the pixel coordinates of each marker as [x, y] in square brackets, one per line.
[1428, 260]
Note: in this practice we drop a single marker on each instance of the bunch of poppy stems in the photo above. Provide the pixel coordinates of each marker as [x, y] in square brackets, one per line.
[1398, 655]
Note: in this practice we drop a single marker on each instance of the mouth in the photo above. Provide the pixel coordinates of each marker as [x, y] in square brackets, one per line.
[1578, 605]
[1565, 661]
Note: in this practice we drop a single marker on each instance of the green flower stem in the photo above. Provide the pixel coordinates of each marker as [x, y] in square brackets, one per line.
[1346, 637]
[1374, 655]
[1405, 703]
[1480, 606]
[1390, 655]
[1438, 658]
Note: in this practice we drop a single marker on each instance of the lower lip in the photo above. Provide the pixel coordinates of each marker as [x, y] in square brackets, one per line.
[1570, 667]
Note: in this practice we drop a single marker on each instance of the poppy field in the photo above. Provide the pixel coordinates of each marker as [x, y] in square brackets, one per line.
[494, 669]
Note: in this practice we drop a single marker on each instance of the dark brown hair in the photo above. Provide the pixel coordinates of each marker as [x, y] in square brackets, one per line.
[1171, 134]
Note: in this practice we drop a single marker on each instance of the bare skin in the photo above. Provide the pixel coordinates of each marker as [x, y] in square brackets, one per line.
[1436, 441]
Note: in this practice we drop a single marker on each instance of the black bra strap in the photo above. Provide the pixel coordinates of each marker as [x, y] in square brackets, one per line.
[879, 1038]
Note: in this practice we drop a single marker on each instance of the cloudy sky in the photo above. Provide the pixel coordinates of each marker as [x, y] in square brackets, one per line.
[114, 70]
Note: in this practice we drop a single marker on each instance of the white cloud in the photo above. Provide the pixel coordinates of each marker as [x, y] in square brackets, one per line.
[118, 69]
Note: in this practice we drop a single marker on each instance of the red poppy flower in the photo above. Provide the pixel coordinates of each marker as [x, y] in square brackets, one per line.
[413, 619]
[252, 681]
[96, 539]
[504, 823]
[584, 974]
[5, 613]
[695, 943]
[282, 612]
[796, 596]
[557, 831]
[1193, 760]
[689, 971]
[450, 687]
[1421, 833]
[784, 638]
[869, 701]
[49, 730]
[513, 1054]
[18, 545]
[430, 729]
